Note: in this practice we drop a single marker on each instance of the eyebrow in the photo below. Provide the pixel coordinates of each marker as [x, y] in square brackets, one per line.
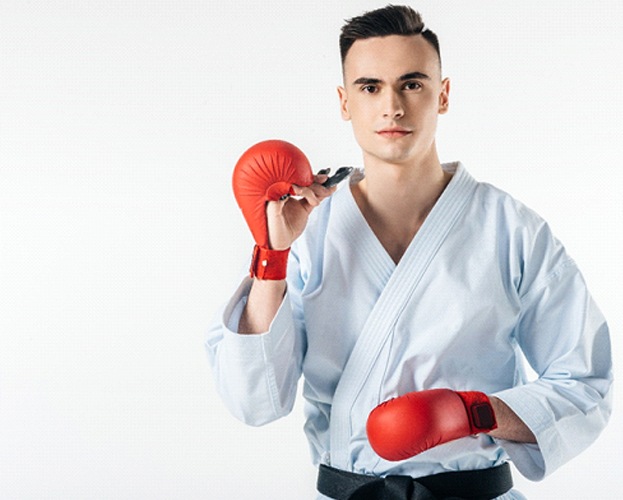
[414, 75]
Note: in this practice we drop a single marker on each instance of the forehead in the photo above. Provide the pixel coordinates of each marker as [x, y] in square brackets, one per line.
[391, 56]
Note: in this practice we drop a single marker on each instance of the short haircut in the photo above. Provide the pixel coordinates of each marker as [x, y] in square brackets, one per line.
[390, 20]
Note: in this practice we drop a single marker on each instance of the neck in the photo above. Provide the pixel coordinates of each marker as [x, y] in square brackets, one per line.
[392, 190]
[395, 199]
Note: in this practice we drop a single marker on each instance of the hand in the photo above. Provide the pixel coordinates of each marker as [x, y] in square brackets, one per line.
[287, 218]
[407, 425]
[267, 172]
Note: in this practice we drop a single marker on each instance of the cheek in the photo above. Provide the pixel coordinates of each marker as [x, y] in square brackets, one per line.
[357, 119]
[359, 132]
[362, 116]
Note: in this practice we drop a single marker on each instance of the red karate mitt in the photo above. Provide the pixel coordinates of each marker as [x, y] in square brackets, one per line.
[266, 172]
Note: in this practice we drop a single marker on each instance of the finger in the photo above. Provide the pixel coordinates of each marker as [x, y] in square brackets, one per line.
[308, 193]
[322, 175]
[320, 178]
[322, 192]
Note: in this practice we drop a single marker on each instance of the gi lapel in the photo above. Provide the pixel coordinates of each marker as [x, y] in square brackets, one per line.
[395, 296]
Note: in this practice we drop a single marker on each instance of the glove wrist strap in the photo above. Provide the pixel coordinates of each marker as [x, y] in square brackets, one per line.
[268, 264]
[479, 410]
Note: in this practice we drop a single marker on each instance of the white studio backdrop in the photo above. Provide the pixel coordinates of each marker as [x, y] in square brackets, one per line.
[120, 123]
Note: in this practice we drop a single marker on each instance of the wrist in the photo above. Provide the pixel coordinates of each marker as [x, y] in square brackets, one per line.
[479, 411]
[269, 264]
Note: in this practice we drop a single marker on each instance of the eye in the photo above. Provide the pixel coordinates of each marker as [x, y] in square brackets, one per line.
[369, 89]
[412, 86]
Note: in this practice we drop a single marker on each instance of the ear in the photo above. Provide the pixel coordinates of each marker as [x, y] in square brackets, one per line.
[341, 92]
[444, 96]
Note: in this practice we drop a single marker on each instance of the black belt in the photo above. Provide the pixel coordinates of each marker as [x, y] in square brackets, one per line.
[481, 484]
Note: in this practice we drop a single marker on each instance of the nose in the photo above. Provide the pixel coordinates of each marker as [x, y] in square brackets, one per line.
[392, 105]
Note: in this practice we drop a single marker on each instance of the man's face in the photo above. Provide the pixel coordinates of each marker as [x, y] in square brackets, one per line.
[393, 94]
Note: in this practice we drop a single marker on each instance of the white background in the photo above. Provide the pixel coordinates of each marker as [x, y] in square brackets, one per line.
[120, 123]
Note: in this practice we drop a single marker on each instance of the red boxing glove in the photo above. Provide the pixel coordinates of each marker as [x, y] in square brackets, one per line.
[266, 172]
[405, 426]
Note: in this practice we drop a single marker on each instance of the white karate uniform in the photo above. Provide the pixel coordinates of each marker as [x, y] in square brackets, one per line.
[482, 287]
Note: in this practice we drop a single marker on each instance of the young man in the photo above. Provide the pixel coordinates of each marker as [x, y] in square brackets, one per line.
[411, 298]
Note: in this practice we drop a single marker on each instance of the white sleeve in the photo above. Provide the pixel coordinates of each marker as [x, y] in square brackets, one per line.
[256, 375]
[565, 339]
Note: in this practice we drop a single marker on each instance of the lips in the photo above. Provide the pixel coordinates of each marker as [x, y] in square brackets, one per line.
[393, 132]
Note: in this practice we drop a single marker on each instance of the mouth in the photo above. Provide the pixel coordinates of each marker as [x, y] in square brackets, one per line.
[393, 132]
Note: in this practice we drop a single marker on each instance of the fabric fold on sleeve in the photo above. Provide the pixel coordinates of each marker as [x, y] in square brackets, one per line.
[558, 439]
[256, 374]
[565, 339]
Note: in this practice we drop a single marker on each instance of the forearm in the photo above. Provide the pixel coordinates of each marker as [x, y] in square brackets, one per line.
[510, 426]
[265, 298]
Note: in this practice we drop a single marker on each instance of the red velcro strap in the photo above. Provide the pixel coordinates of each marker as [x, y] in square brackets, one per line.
[479, 411]
[269, 264]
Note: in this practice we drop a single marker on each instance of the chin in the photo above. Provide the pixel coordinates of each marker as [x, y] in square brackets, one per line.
[395, 154]
[397, 157]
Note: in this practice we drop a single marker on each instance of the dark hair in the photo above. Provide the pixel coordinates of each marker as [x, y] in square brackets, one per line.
[390, 20]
